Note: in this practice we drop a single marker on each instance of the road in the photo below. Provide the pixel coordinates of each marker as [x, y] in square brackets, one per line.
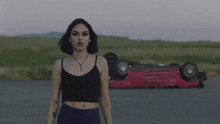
[27, 102]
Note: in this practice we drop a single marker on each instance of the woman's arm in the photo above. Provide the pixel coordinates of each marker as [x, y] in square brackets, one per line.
[105, 99]
[54, 102]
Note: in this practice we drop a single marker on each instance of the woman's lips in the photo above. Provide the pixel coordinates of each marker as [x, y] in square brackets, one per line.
[80, 44]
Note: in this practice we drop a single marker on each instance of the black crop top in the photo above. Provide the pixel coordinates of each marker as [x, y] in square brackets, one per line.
[85, 88]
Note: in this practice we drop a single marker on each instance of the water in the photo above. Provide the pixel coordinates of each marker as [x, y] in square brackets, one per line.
[27, 102]
[177, 20]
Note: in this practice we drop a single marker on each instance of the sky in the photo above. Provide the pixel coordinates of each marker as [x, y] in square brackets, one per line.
[177, 20]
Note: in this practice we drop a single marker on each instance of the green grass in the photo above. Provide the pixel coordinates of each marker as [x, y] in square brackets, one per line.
[33, 58]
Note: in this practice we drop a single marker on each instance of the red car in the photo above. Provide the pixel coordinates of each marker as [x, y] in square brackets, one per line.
[132, 74]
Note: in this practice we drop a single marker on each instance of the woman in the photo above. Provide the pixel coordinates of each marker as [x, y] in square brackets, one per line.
[82, 77]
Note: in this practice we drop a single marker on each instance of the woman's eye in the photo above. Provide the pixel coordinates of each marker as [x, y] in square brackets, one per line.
[74, 34]
[85, 34]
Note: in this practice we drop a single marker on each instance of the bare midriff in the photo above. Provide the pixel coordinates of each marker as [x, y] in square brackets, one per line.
[81, 105]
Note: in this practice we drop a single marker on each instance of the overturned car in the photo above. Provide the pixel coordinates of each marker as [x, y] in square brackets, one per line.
[132, 74]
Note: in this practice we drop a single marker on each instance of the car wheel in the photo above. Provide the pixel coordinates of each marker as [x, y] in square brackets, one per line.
[188, 70]
[174, 64]
[204, 77]
[200, 85]
[122, 68]
[111, 57]
[112, 69]
[111, 60]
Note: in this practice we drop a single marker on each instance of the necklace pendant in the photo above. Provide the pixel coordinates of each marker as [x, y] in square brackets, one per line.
[81, 63]
[80, 68]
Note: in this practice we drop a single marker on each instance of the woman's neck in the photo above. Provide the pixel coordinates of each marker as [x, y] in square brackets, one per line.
[80, 54]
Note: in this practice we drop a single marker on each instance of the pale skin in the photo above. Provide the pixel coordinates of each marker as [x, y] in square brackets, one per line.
[80, 33]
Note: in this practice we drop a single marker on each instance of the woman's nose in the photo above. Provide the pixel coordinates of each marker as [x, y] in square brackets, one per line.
[80, 37]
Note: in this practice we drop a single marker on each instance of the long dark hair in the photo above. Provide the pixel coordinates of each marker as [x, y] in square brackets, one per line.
[67, 47]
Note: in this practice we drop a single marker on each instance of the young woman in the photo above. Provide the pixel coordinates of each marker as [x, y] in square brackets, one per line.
[82, 77]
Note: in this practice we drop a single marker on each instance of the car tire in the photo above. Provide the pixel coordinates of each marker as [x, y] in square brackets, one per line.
[111, 60]
[174, 64]
[122, 68]
[111, 56]
[200, 85]
[204, 77]
[189, 71]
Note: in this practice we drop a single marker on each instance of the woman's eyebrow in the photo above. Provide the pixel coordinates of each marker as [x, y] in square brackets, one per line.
[82, 32]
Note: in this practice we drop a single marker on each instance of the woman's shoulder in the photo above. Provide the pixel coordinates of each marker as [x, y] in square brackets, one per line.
[101, 59]
[57, 63]
[65, 59]
[57, 66]
[101, 62]
[60, 61]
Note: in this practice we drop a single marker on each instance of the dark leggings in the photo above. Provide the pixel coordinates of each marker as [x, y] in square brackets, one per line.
[70, 115]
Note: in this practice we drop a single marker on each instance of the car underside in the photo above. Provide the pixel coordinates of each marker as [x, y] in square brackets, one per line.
[133, 74]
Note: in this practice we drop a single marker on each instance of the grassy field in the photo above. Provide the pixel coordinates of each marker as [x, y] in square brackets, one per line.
[33, 58]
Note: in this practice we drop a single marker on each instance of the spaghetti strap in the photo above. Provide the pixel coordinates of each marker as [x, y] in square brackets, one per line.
[96, 60]
[62, 64]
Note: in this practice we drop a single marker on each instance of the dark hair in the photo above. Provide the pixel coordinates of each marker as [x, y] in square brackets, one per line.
[67, 47]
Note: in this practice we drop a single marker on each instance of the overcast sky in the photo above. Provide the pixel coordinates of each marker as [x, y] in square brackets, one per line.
[179, 20]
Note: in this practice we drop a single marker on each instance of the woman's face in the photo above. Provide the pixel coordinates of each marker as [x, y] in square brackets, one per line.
[79, 37]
